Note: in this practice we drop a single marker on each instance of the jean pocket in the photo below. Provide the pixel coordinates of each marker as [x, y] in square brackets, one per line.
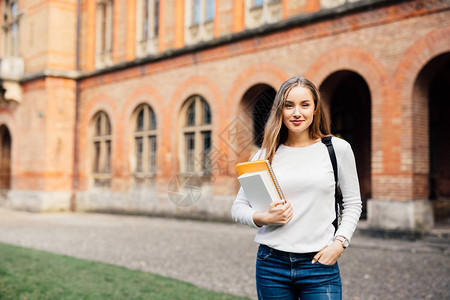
[325, 265]
[264, 253]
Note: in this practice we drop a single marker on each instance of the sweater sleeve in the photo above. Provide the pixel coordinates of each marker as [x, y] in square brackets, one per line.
[241, 211]
[351, 202]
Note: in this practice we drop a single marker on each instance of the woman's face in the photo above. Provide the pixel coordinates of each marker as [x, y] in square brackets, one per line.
[298, 111]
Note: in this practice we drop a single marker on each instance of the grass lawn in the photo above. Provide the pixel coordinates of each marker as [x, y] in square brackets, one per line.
[33, 274]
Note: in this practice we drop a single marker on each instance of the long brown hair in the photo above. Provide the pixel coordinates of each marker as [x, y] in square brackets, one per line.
[276, 133]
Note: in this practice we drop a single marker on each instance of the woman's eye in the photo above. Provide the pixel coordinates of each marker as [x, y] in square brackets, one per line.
[305, 105]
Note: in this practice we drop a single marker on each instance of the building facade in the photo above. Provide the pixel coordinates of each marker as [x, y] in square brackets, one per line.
[145, 106]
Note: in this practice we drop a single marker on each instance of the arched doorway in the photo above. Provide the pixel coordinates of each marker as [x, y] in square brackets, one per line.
[260, 98]
[255, 109]
[5, 162]
[347, 99]
[431, 101]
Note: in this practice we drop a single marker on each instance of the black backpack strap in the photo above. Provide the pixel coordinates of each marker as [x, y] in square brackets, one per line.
[327, 141]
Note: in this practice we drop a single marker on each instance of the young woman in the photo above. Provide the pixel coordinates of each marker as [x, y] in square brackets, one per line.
[299, 247]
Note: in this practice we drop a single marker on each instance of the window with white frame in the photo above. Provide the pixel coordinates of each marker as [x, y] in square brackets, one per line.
[101, 142]
[10, 26]
[147, 24]
[104, 33]
[200, 16]
[260, 12]
[196, 136]
[144, 142]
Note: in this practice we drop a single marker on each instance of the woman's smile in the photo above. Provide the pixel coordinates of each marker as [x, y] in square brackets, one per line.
[297, 122]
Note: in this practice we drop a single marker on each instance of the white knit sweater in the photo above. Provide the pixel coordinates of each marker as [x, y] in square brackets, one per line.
[306, 178]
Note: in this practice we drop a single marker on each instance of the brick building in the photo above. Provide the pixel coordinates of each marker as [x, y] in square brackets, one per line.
[114, 105]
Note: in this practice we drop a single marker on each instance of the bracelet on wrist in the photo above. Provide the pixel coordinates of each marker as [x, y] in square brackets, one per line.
[343, 240]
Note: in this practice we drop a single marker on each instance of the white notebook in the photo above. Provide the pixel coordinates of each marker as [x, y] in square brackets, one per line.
[259, 189]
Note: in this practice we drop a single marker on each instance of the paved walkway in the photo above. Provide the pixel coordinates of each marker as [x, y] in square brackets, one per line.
[221, 256]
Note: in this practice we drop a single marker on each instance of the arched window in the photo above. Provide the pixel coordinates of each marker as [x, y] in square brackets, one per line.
[145, 140]
[196, 136]
[101, 141]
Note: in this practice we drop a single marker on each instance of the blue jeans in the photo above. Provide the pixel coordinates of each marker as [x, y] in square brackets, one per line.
[284, 275]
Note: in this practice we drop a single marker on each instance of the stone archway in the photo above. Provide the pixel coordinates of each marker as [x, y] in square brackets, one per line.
[256, 104]
[5, 162]
[347, 100]
[431, 130]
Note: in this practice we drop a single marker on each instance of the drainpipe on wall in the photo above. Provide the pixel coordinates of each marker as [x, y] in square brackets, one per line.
[77, 97]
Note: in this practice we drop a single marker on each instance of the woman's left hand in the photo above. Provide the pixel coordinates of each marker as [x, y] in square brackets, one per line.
[330, 254]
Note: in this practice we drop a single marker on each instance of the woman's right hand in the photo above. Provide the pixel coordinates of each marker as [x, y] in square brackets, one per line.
[279, 213]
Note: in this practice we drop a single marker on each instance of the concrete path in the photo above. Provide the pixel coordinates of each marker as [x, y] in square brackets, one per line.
[221, 256]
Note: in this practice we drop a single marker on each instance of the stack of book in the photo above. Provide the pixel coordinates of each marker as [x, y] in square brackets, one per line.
[259, 183]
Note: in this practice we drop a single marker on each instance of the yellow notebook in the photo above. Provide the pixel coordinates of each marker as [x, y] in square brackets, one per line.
[257, 166]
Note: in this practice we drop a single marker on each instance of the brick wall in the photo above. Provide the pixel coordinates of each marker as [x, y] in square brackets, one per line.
[42, 131]
[223, 74]
[229, 18]
[47, 34]
[377, 44]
